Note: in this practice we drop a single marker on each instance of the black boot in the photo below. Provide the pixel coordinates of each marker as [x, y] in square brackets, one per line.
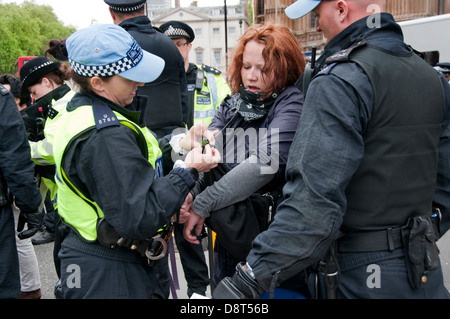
[44, 238]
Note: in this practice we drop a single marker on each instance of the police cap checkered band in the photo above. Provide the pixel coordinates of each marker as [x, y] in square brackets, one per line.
[177, 29]
[176, 32]
[133, 57]
[127, 9]
[125, 5]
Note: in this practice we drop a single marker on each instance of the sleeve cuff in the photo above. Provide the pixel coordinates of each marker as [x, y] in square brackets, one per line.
[189, 176]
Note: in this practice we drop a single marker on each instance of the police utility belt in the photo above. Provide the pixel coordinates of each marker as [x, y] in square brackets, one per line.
[153, 248]
[417, 238]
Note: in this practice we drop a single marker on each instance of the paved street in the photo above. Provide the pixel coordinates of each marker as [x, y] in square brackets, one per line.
[49, 278]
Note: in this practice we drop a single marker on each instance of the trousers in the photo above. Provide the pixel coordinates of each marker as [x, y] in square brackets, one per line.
[382, 275]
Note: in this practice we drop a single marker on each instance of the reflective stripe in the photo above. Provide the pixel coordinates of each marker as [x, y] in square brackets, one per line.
[204, 114]
[42, 152]
[212, 87]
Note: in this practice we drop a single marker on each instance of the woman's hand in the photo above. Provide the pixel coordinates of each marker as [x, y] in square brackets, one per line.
[195, 135]
[194, 223]
[203, 160]
[185, 209]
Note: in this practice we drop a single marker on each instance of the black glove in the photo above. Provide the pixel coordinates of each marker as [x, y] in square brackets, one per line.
[240, 286]
[34, 221]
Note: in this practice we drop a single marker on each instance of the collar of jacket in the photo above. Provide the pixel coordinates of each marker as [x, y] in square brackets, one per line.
[56, 94]
[140, 23]
[360, 29]
[80, 99]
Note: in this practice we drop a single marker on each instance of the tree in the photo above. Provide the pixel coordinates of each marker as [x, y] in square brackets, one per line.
[26, 30]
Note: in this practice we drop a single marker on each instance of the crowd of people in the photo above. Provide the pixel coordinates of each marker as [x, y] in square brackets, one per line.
[114, 144]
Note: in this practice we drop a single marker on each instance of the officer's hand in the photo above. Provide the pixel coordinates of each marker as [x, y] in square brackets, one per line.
[195, 135]
[33, 219]
[203, 160]
[240, 286]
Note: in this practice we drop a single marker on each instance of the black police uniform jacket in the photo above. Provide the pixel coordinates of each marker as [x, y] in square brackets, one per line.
[167, 95]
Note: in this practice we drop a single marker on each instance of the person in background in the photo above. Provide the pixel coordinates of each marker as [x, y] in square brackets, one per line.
[367, 173]
[206, 90]
[111, 193]
[45, 80]
[18, 184]
[163, 101]
[268, 60]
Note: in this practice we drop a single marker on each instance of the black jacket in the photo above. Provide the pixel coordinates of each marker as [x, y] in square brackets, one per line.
[16, 167]
[167, 95]
[325, 153]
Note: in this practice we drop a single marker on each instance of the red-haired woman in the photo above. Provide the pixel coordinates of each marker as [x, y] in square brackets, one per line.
[256, 126]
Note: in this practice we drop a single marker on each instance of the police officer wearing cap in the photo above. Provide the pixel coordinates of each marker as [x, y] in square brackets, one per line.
[206, 86]
[163, 101]
[206, 89]
[367, 173]
[112, 197]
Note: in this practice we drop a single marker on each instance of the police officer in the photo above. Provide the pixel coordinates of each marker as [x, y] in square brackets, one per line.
[206, 86]
[16, 181]
[163, 101]
[368, 168]
[206, 89]
[109, 193]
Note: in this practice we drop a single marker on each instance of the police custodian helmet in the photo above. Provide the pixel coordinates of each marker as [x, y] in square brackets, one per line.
[125, 5]
[178, 29]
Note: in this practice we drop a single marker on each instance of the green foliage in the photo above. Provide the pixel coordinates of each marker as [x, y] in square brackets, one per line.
[250, 11]
[26, 30]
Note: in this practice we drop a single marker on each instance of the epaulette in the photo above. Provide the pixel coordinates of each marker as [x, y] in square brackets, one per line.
[343, 55]
[210, 69]
[3, 90]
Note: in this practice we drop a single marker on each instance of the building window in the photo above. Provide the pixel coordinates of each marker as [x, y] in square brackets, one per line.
[217, 57]
[198, 31]
[216, 31]
[215, 12]
[199, 57]
[232, 30]
[313, 20]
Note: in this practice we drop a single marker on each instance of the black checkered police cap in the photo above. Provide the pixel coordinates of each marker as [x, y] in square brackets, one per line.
[125, 5]
[178, 29]
[106, 50]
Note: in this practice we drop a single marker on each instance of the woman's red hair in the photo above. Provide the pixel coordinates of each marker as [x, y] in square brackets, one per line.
[283, 56]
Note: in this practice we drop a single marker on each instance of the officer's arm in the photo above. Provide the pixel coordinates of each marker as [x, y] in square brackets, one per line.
[325, 153]
[442, 192]
[122, 182]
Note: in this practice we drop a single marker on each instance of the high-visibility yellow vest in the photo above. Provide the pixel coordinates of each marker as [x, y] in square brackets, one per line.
[42, 151]
[208, 98]
[74, 208]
